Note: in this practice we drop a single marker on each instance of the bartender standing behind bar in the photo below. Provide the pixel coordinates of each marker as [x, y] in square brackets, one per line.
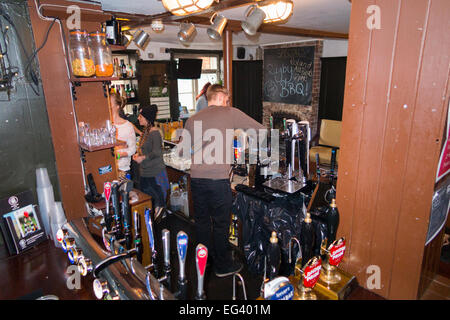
[210, 184]
[153, 175]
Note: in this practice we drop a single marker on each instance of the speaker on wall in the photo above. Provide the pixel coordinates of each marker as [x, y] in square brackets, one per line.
[240, 52]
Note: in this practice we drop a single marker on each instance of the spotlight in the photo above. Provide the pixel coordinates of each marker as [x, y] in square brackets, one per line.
[185, 7]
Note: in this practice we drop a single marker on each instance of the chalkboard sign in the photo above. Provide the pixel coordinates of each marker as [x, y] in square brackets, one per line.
[288, 74]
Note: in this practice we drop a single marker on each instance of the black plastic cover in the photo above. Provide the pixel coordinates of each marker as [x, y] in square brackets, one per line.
[282, 215]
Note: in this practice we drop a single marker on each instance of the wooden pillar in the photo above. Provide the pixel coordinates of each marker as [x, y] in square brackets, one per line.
[227, 39]
[395, 107]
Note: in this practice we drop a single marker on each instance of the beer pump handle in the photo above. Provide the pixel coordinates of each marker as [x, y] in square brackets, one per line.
[151, 237]
[166, 246]
[201, 256]
[332, 221]
[182, 244]
[333, 164]
[318, 166]
[126, 214]
[307, 239]
[137, 236]
[116, 208]
[166, 256]
[107, 195]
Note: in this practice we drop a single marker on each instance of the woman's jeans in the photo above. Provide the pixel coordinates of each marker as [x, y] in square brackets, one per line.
[149, 186]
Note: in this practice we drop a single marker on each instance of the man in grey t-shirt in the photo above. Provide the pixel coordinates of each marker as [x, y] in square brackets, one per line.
[210, 185]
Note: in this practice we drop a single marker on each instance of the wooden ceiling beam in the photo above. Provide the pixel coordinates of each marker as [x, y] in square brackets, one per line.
[235, 26]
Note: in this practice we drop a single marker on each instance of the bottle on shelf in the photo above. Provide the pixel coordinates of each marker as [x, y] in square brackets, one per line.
[123, 68]
[132, 92]
[123, 94]
[128, 91]
[117, 71]
[129, 71]
[113, 31]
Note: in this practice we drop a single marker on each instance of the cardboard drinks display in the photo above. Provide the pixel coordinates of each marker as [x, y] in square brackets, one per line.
[20, 222]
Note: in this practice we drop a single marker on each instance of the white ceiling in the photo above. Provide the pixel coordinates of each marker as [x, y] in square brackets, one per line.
[323, 15]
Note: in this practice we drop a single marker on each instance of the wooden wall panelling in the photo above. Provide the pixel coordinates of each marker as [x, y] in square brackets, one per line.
[406, 52]
[93, 107]
[392, 126]
[430, 111]
[352, 117]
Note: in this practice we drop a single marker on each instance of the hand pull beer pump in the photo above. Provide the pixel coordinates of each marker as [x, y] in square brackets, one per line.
[275, 287]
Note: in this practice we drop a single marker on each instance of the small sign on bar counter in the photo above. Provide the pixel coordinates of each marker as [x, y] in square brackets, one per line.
[20, 223]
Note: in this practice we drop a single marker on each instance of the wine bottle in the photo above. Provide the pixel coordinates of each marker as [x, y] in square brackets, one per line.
[132, 93]
[123, 68]
[129, 71]
[112, 31]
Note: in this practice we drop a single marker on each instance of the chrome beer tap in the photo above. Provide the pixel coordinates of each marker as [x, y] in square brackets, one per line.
[166, 263]
[125, 189]
[113, 259]
[151, 239]
[137, 236]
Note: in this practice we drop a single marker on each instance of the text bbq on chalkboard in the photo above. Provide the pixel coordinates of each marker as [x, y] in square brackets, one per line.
[288, 75]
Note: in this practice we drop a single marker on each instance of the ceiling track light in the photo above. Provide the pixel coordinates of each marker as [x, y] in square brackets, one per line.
[277, 10]
[185, 7]
[157, 25]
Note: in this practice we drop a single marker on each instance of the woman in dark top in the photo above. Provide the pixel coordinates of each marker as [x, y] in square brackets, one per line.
[153, 174]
